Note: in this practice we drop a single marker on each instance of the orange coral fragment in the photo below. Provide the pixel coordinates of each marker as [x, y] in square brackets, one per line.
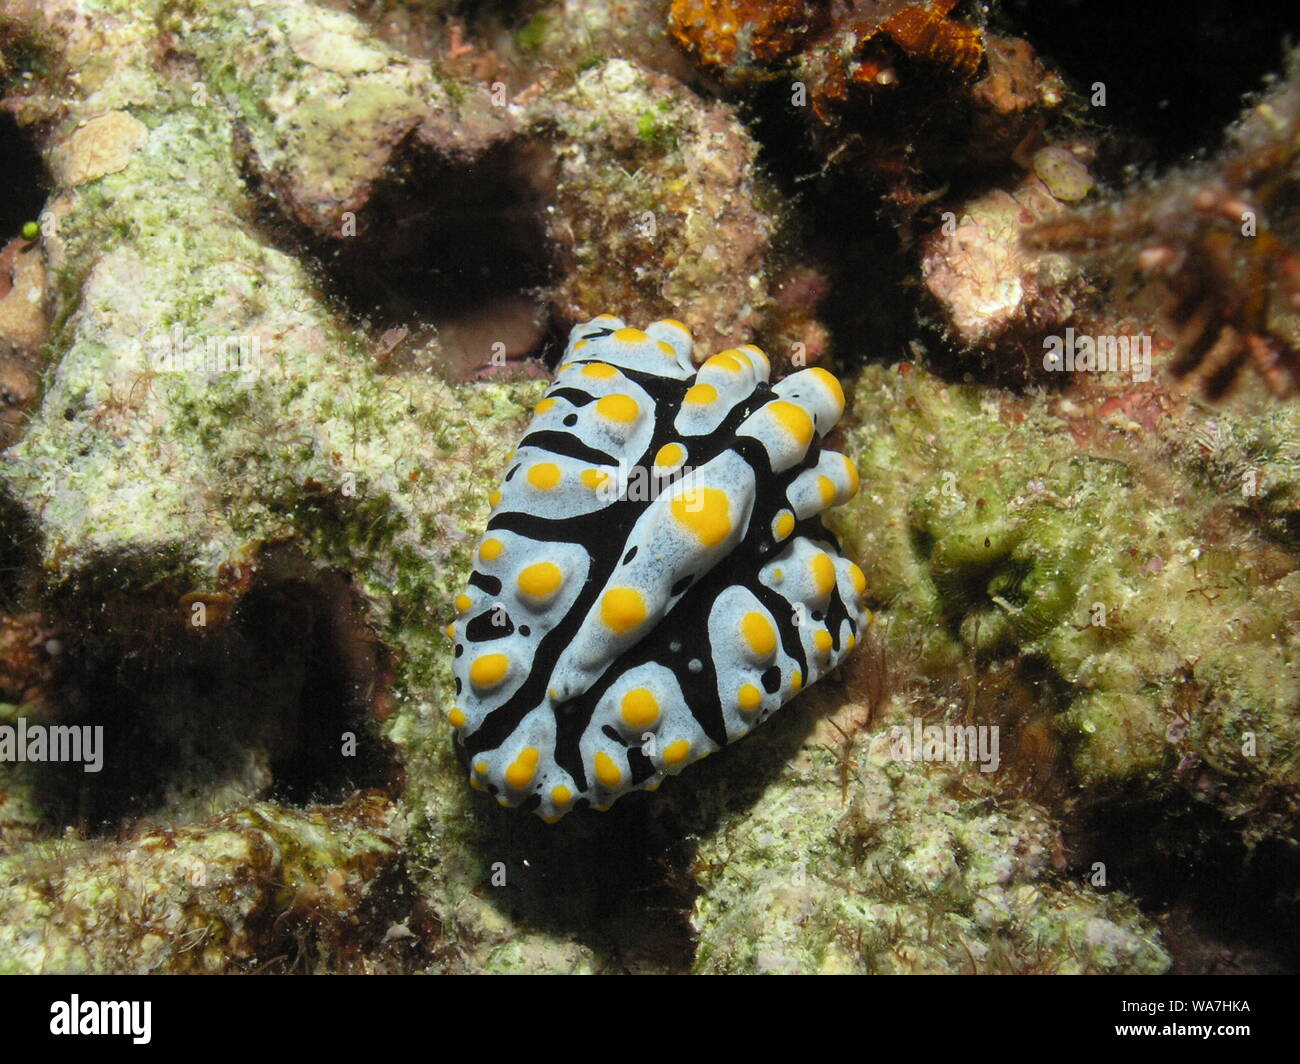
[714, 31]
[926, 33]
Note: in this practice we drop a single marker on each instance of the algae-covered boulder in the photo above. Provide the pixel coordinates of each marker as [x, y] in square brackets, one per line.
[1167, 623]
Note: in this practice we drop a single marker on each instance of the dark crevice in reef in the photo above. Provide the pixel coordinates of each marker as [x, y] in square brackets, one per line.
[1175, 74]
[258, 702]
[447, 248]
[19, 553]
[870, 305]
[24, 183]
[1222, 906]
[624, 881]
[864, 245]
[551, 348]
[338, 667]
[606, 877]
[440, 237]
[839, 225]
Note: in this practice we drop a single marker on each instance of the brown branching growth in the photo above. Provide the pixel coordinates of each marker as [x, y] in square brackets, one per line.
[1221, 240]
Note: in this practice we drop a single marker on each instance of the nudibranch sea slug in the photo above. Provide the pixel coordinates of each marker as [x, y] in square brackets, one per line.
[655, 578]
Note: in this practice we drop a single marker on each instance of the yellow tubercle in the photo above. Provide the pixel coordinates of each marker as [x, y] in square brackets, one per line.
[705, 512]
[544, 475]
[793, 419]
[489, 671]
[523, 768]
[622, 609]
[639, 708]
[758, 634]
[606, 771]
[676, 752]
[823, 573]
[540, 581]
[619, 408]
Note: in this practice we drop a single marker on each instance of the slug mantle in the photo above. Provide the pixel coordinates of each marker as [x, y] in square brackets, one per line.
[655, 579]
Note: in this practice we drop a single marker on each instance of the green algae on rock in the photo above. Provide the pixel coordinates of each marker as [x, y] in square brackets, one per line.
[987, 530]
[854, 860]
[667, 187]
[20, 806]
[209, 898]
